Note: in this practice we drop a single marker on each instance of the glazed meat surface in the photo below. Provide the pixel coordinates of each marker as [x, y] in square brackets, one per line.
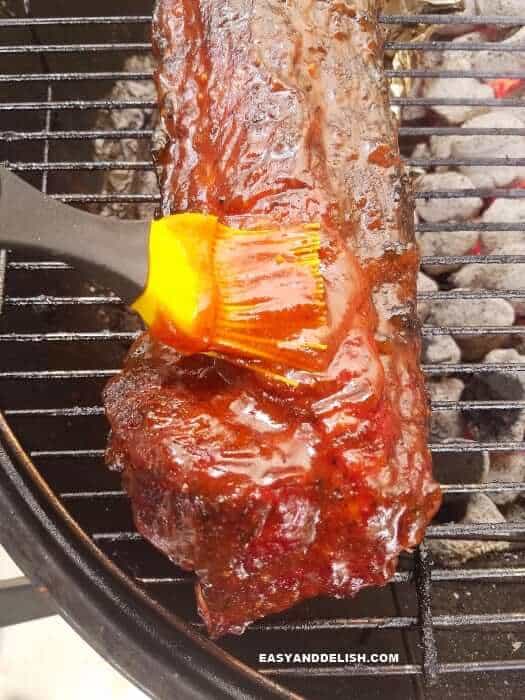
[273, 492]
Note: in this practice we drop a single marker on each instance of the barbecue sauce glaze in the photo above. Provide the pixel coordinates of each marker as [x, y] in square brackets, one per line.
[273, 493]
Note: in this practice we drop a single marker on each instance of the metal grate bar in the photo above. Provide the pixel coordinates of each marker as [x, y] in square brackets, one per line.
[342, 671]
[509, 575]
[477, 575]
[456, 46]
[67, 453]
[466, 259]
[429, 331]
[148, 580]
[147, 133]
[146, 46]
[472, 531]
[66, 337]
[437, 194]
[478, 192]
[70, 77]
[474, 20]
[39, 265]
[76, 104]
[3, 270]
[82, 165]
[405, 622]
[70, 412]
[484, 367]
[464, 162]
[47, 129]
[150, 104]
[436, 406]
[84, 135]
[392, 670]
[465, 226]
[489, 487]
[464, 447]
[459, 295]
[26, 49]
[106, 198]
[59, 374]
[436, 73]
[90, 495]
[476, 405]
[423, 581]
[17, 22]
[476, 531]
[61, 301]
[459, 131]
[458, 101]
[148, 75]
[116, 536]
[451, 368]
[464, 295]
[416, 162]
[458, 194]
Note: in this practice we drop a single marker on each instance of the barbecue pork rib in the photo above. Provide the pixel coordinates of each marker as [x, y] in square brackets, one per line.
[273, 493]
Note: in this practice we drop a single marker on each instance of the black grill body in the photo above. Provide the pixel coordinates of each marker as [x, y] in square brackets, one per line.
[66, 519]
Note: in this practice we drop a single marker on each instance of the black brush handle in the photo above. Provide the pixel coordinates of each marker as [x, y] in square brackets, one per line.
[28, 217]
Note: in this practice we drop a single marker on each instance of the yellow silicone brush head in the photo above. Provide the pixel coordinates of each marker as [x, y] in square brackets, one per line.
[255, 293]
[178, 303]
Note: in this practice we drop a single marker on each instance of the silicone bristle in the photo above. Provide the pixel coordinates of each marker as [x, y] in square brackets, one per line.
[271, 294]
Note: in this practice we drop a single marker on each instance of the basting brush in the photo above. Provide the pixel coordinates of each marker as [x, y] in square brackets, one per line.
[256, 295]
[252, 293]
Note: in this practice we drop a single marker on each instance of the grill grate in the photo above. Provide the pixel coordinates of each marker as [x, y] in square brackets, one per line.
[58, 354]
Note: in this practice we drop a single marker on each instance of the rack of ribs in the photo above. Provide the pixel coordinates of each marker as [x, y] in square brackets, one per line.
[274, 492]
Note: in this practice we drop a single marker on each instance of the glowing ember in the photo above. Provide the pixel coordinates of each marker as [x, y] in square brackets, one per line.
[502, 87]
[477, 249]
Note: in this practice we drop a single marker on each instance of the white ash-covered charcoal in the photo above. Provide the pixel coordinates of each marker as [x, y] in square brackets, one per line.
[446, 424]
[475, 313]
[448, 88]
[445, 243]
[495, 60]
[436, 61]
[129, 181]
[503, 211]
[500, 385]
[513, 8]
[473, 7]
[460, 467]
[467, 88]
[507, 467]
[508, 356]
[485, 146]
[441, 349]
[425, 284]
[480, 509]
[496, 276]
[446, 209]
